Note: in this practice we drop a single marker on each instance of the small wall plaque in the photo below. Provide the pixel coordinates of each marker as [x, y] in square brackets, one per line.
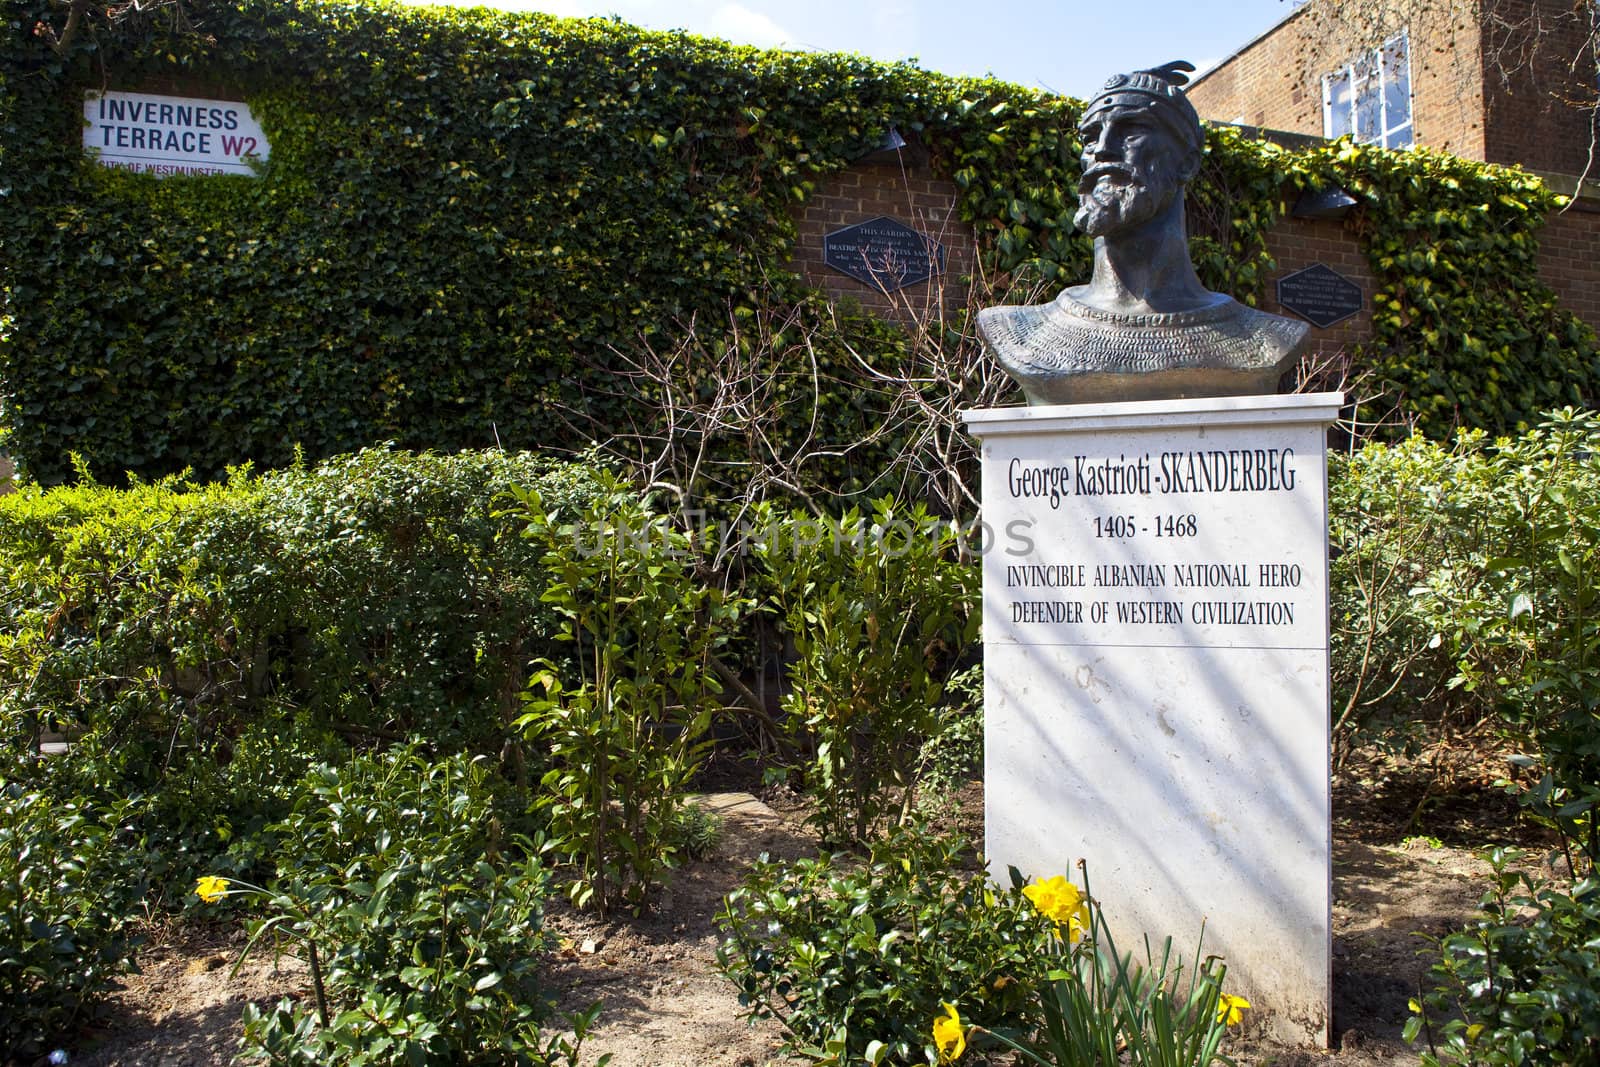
[883, 253]
[1320, 295]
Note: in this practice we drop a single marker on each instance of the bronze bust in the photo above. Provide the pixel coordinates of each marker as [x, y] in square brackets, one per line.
[1143, 328]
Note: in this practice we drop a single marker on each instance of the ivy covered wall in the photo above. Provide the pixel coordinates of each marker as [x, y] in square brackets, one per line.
[467, 216]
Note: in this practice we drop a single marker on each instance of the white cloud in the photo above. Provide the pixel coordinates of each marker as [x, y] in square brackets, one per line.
[739, 24]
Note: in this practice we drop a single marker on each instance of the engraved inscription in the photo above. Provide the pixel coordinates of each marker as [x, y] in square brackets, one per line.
[883, 253]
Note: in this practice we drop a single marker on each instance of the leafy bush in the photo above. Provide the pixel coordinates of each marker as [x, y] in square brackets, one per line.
[881, 609]
[421, 920]
[1397, 514]
[1518, 613]
[622, 724]
[1521, 985]
[1462, 589]
[69, 879]
[425, 603]
[204, 645]
[1489, 553]
[854, 960]
[953, 755]
[902, 959]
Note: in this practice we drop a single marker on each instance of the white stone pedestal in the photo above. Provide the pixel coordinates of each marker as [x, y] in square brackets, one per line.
[1155, 596]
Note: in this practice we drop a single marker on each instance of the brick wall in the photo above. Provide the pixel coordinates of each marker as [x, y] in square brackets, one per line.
[1263, 84]
[1569, 258]
[1299, 243]
[1276, 80]
[903, 189]
[1489, 89]
[1526, 120]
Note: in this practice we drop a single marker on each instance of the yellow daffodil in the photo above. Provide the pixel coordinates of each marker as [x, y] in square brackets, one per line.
[1230, 1009]
[211, 888]
[949, 1036]
[1058, 900]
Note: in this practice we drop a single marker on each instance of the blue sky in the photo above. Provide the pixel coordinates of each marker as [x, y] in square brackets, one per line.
[1066, 47]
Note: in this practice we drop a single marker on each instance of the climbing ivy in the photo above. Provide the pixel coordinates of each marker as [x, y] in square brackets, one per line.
[1465, 333]
[469, 219]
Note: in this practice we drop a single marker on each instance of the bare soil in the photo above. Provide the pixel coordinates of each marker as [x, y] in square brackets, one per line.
[1407, 833]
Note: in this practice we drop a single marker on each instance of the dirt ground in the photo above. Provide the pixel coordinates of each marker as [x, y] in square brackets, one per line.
[1406, 837]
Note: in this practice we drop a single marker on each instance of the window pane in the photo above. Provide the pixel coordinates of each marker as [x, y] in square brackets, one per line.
[1400, 138]
[1336, 111]
[1367, 129]
[1396, 84]
[1364, 67]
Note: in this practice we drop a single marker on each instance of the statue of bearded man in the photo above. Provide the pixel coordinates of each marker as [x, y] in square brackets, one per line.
[1143, 328]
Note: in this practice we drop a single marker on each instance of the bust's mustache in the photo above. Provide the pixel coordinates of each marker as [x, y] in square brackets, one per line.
[1123, 174]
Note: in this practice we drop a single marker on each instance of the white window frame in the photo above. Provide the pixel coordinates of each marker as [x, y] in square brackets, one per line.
[1337, 122]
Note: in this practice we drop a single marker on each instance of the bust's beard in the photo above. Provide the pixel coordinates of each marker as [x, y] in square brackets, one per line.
[1108, 205]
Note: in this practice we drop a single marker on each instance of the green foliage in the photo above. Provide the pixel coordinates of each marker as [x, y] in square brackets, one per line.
[69, 879]
[696, 832]
[457, 208]
[423, 593]
[1100, 1007]
[1521, 985]
[855, 960]
[1465, 334]
[1519, 615]
[623, 725]
[472, 222]
[880, 608]
[953, 754]
[1398, 514]
[1472, 570]
[1461, 586]
[421, 921]
[204, 645]
[1014, 156]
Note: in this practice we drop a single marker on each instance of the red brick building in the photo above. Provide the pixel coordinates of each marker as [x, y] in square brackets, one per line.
[1491, 80]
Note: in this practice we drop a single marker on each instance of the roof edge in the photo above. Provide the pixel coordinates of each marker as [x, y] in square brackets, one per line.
[1242, 49]
[1569, 185]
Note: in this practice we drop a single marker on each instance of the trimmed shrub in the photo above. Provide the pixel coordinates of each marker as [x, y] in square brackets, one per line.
[204, 645]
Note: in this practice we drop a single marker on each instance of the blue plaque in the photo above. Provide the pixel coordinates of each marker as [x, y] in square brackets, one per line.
[1320, 295]
[883, 253]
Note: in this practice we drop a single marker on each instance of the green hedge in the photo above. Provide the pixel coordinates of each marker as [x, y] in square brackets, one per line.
[466, 213]
[205, 644]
